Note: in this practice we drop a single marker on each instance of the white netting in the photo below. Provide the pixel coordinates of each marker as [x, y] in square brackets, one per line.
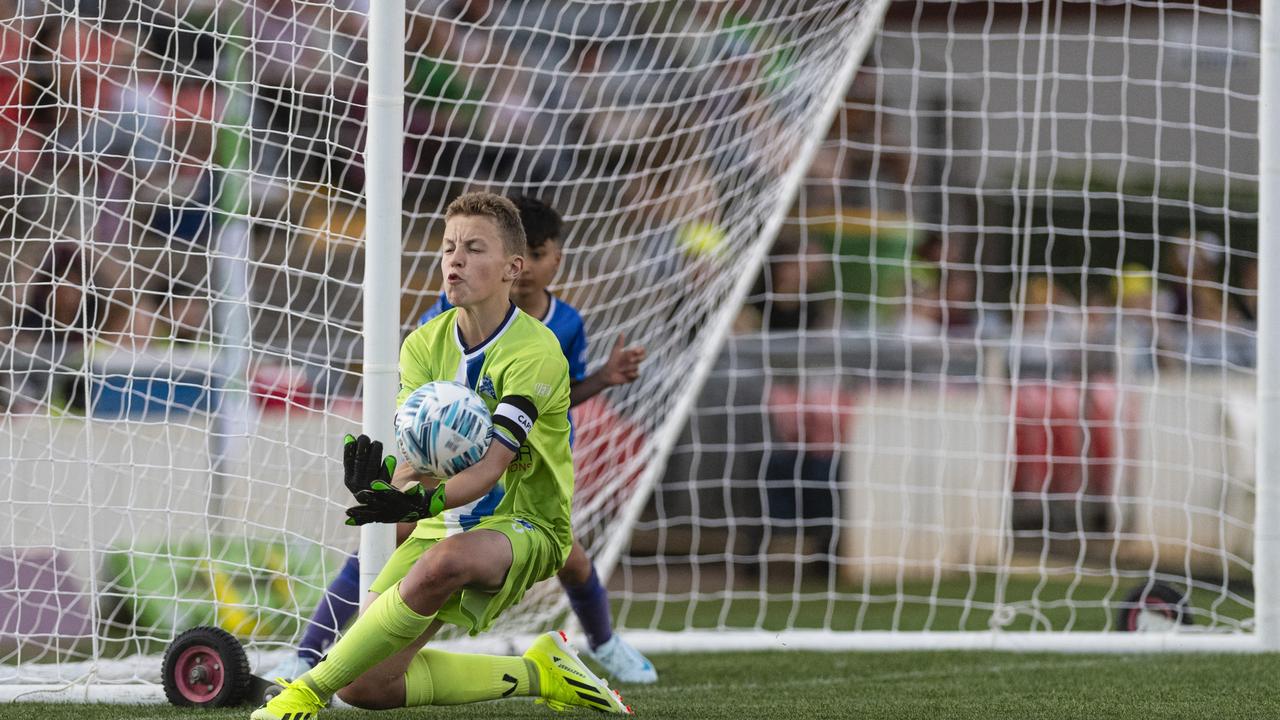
[181, 220]
[1025, 258]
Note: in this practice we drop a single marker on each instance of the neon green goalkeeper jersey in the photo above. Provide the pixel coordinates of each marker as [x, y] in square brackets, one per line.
[523, 378]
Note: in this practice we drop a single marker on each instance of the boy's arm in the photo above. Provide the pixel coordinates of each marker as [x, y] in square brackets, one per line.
[388, 493]
[622, 367]
[471, 484]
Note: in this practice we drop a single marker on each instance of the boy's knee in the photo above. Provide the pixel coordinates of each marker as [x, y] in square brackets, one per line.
[445, 571]
[576, 570]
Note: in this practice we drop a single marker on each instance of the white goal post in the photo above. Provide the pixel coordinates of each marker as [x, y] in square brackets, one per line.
[1267, 570]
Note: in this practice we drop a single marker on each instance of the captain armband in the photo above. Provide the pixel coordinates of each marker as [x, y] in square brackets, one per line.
[513, 420]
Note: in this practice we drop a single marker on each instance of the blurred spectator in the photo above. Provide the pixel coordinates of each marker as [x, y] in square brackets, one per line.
[808, 412]
[185, 308]
[442, 95]
[783, 299]
[83, 54]
[135, 369]
[1248, 291]
[140, 101]
[308, 65]
[921, 317]
[1131, 326]
[1065, 404]
[182, 209]
[960, 317]
[1052, 328]
[116, 128]
[808, 421]
[61, 309]
[19, 142]
[940, 297]
[1202, 327]
[875, 163]
[132, 322]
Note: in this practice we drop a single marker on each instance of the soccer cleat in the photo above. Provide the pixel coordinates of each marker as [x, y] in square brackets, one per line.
[565, 682]
[296, 702]
[291, 668]
[624, 663]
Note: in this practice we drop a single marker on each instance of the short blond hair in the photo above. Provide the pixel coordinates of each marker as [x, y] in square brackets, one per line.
[502, 211]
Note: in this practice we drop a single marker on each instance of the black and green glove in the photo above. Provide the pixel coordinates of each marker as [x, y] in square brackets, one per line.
[368, 474]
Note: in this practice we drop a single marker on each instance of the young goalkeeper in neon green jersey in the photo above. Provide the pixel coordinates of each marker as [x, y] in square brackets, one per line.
[465, 573]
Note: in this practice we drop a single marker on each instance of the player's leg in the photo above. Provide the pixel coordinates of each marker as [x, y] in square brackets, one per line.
[419, 578]
[339, 604]
[479, 559]
[303, 700]
[590, 602]
[549, 670]
[376, 664]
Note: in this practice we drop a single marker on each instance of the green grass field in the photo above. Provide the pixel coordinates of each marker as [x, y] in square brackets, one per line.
[950, 604]
[804, 685]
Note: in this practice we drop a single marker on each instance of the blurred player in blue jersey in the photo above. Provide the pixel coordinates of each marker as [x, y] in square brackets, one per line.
[587, 596]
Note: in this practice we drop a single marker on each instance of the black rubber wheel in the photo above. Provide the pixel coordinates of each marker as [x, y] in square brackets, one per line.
[206, 667]
[1153, 601]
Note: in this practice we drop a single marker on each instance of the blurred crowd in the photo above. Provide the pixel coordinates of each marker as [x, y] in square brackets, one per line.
[110, 154]
[122, 123]
[119, 129]
[1194, 306]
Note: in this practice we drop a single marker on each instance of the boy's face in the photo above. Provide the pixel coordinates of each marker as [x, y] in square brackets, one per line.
[475, 263]
[539, 270]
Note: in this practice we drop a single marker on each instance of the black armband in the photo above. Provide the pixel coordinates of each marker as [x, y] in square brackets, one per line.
[515, 414]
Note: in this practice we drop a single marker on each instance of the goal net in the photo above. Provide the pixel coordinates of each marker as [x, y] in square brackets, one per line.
[994, 385]
[182, 252]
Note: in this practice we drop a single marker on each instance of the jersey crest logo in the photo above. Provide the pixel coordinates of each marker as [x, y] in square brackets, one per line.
[486, 388]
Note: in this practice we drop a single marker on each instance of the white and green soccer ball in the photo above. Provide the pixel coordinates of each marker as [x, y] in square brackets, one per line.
[443, 428]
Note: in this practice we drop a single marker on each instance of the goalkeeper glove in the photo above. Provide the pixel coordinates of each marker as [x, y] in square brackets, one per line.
[363, 464]
[368, 476]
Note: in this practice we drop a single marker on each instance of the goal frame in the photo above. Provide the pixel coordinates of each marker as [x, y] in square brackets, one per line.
[386, 23]
[1266, 570]
[1266, 563]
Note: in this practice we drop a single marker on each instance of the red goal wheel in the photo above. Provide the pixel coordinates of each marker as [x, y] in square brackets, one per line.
[206, 667]
[1153, 607]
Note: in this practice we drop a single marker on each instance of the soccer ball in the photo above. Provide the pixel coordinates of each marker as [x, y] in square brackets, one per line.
[443, 428]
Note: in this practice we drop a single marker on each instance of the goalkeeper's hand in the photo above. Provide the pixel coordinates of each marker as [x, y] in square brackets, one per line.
[368, 476]
[363, 464]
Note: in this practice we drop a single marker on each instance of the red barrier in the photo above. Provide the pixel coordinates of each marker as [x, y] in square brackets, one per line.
[1067, 436]
[604, 442]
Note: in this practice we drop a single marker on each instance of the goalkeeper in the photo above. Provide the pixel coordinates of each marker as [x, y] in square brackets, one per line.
[456, 567]
[543, 228]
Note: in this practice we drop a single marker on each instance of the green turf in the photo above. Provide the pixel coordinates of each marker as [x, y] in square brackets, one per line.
[949, 604]
[952, 603]
[803, 685]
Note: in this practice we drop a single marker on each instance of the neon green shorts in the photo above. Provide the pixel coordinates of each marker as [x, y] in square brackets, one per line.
[535, 556]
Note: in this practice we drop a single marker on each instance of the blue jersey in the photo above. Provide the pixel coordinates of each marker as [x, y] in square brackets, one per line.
[562, 319]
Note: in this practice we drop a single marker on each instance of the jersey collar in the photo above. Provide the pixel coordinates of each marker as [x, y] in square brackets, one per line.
[512, 312]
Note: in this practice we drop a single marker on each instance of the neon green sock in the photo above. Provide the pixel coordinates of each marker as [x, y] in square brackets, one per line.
[436, 677]
[385, 629]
